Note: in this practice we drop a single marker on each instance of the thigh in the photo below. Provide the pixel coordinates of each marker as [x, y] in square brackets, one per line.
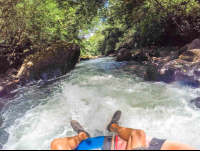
[171, 145]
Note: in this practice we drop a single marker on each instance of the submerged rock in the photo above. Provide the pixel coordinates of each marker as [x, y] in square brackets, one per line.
[60, 56]
[196, 102]
[124, 55]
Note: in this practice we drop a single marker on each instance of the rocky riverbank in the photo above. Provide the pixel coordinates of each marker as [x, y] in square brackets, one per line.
[181, 65]
[59, 56]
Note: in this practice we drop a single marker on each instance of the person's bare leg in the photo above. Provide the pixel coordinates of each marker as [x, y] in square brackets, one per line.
[135, 138]
[70, 143]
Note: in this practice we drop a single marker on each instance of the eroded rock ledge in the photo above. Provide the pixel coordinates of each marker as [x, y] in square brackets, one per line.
[58, 56]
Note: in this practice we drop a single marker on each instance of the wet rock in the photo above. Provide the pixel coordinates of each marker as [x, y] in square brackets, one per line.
[142, 55]
[193, 45]
[159, 60]
[136, 55]
[124, 55]
[59, 56]
[175, 70]
[196, 102]
[3, 91]
[191, 55]
[8, 87]
[4, 65]
[182, 65]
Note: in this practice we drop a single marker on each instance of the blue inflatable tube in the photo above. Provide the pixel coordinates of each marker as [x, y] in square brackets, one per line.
[92, 144]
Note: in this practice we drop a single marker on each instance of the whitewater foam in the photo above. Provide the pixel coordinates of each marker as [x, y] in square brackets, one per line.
[161, 110]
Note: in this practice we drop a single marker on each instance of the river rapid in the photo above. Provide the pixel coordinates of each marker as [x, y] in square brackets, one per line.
[91, 93]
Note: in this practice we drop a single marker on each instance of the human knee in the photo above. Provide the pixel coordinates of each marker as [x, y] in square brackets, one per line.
[139, 133]
[56, 143]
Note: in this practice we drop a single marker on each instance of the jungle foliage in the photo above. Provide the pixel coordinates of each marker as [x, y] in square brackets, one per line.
[98, 26]
[155, 22]
[43, 21]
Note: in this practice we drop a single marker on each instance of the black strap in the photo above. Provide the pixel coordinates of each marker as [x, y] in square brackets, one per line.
[107, 143]
[156, 144]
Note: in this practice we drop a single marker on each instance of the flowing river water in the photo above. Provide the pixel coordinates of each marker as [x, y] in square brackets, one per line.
[91, 93]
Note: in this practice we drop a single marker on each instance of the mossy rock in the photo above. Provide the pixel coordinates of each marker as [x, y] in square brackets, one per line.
[59, 56]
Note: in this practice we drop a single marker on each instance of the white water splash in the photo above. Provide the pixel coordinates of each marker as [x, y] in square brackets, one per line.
[91, 97]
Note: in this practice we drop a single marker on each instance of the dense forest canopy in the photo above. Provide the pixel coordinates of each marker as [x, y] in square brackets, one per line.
[98, 26]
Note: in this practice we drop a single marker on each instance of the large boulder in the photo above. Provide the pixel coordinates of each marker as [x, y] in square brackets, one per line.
[124, 55]
[195, 44]
[191, 55]
[175, 70]
[182, 65]
[59, 56]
